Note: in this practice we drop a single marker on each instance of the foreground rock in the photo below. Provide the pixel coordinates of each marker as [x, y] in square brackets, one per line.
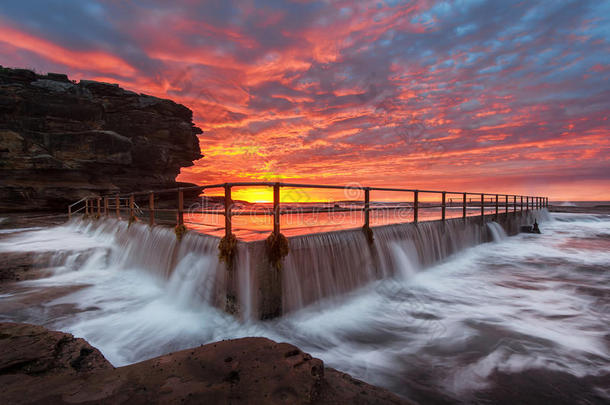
[40, 366]
[61, 140]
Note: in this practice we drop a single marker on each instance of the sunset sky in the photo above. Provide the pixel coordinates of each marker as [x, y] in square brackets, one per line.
[492, 96]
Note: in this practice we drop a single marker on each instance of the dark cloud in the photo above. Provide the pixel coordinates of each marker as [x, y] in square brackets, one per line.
[311, 83]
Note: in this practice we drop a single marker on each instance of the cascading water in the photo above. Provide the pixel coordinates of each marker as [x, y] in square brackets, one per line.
[528, 309]
[323, 266]
[496, 231]
[319, 266]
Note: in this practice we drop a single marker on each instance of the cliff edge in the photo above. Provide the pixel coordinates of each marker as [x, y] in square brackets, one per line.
[61, 140]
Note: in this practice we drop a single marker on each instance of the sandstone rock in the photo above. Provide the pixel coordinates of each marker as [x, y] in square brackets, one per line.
[61, 141]
[40, 366]
[30, 350]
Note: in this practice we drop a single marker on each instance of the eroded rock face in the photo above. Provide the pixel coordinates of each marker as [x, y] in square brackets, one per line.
[40, 366]
[61, 141]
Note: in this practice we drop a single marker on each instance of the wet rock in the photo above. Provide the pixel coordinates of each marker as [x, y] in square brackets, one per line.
[34, 351]
[40, 366]
[18, 266]
[61, 140]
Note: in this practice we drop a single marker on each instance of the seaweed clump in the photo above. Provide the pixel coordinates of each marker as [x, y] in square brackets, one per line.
[277, 248]
[180, 230]
[227, 249]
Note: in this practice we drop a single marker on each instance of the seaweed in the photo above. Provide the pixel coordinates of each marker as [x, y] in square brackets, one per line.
[227, 249]
[277, 248]
[180, 230]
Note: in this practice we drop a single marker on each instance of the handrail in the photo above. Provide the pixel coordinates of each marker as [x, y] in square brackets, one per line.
[302, 185]
[226, 205]
[79, 201]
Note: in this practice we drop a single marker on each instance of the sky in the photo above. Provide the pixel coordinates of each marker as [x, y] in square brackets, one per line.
[465, 95]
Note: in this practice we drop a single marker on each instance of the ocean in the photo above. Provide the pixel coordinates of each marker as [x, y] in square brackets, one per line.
[522, 319]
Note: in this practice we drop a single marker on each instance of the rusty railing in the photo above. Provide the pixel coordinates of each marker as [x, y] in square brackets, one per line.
[125, 203]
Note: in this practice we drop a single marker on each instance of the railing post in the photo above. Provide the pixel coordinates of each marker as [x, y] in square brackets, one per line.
[180, 216]
[521, 203]
[106, 206]
[415, 206]
[69, 212]
[99, 206]
[276, 209]
[464, 206]
[506, 205]
[228, 203]
[497, 209]
[86, 206]
[515, 204]
[483, 208]
[367, 207]
[443, 205]
[117, 202]
[151, 208]
[131, 204]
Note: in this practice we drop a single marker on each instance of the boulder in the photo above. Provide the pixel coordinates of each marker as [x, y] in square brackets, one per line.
[41, 366]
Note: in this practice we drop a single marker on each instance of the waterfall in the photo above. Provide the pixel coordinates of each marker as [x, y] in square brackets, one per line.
[187, 269]
[496, 231]
[328, 265]
[319, 266]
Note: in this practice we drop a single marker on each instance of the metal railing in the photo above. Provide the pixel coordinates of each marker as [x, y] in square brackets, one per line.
[118, 203]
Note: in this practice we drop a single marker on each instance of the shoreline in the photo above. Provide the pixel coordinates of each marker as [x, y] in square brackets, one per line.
[149, 384]
[59, 368]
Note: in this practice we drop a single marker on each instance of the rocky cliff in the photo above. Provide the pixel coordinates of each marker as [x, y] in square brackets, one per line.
[61, 140]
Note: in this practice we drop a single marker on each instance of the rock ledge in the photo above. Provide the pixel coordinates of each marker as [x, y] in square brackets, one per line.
[41, 366]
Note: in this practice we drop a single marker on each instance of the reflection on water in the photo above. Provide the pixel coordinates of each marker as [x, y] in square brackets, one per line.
[521, 319]
[256, 223]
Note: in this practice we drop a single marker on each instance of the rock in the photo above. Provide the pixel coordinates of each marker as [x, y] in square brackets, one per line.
[34, 351]
[18, 266]
[40, 366]
[61, 141]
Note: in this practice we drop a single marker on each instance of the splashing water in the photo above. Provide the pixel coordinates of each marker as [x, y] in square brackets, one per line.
[519, 309]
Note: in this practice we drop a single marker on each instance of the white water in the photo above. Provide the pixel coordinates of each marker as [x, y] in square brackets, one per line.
[497, 232]
[528, 302]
